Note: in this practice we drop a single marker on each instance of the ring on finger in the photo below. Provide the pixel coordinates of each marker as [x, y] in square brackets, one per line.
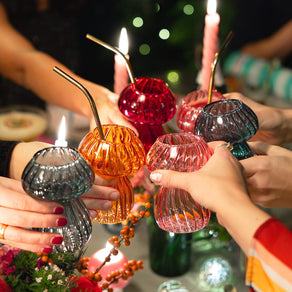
[228, 145]
[2, 230]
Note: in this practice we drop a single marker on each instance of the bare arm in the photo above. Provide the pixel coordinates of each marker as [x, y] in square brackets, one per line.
[228, 197]
[32, 69]
[278, 45]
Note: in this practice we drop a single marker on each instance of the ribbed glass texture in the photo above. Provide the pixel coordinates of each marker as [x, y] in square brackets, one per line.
[229, 120]
[61, 174]
[57, 173]
[191, 107]
[120, 154]
[77, 232]
[174, 209]
[150, 102]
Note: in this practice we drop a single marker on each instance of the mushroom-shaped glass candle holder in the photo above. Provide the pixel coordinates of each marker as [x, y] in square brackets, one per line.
[60, 174]
[119, 154]
[174, 209]
[229, 120]
[148, 103]
[191, 107]
[193, 103]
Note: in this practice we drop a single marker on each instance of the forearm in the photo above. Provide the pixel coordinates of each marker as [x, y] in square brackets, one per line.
[21, 155]
[242, 221]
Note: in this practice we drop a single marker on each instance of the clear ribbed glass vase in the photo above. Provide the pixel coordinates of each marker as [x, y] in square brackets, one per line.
[61, 174]
[174, 209]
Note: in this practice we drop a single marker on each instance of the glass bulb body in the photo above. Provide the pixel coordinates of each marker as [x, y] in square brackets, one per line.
[120, 154]
[148, 105]
[229, 120]
[174, 209]
[191, 107]
[60, 174]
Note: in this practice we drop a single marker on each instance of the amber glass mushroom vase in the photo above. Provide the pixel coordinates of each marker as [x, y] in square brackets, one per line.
[119, 154]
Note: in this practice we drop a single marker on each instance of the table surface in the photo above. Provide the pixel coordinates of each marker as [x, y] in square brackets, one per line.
[146, 280]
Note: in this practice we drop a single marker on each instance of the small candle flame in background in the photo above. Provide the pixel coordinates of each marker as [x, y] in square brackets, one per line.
[121, 76]
[61, 141]
[211, 6]
[124, 43]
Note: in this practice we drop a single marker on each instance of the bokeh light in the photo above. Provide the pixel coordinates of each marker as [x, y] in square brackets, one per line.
[144, 49]
[188, 9]
[138, 21]
[164, 34]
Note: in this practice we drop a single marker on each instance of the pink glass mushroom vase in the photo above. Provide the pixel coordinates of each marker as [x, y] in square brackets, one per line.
[148, 104]
[191, 107]
[174, 209]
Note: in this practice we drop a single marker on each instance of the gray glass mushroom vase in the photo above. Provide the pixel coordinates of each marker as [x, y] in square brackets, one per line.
[229, 120]
[60, 174]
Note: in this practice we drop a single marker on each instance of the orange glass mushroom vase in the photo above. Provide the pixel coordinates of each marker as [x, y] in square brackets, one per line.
[148, 103]
[119, 154]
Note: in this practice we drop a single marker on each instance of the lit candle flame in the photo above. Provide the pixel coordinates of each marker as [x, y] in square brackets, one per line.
[211, 6]
[124, 43]
[61, 141]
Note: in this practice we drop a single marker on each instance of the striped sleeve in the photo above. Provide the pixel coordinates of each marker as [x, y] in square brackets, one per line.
[269, 266]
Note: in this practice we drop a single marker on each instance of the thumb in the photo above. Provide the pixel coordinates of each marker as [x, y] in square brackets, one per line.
[170, 179]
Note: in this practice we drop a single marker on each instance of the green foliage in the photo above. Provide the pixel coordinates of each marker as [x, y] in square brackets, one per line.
[29, 273]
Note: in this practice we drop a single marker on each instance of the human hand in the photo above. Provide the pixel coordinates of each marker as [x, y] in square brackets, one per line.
[107, 105]
[101, 195]
[19, 212]
[268, 175]
[272, 125]
[141, 177]
[220, 186]
[214, 185]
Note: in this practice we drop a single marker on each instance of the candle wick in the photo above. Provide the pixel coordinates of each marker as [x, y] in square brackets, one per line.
[87, 94]
[214, 64]
[117, 51]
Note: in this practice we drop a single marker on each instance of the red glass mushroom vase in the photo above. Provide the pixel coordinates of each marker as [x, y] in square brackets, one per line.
[119, 154]
[174, 209]
[148, 103]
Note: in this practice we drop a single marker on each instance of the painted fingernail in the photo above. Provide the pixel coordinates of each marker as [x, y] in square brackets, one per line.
[59, 210]
[156, 177]
[62, 221]
[114, 196]
[47, 249]
[57, 240]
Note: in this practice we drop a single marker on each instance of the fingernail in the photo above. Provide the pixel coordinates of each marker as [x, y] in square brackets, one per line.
[156, 177]
[57, 240]
[93, 214]
[107, 205]
[47, 250]
[59, 210]
[114, 196]
[62, 221]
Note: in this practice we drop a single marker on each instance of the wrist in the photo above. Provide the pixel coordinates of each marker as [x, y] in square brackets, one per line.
[21, 155]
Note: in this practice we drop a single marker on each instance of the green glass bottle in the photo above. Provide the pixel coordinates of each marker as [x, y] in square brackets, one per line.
[170, 253]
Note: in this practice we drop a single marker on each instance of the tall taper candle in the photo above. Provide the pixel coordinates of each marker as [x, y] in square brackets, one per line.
[210, 42]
